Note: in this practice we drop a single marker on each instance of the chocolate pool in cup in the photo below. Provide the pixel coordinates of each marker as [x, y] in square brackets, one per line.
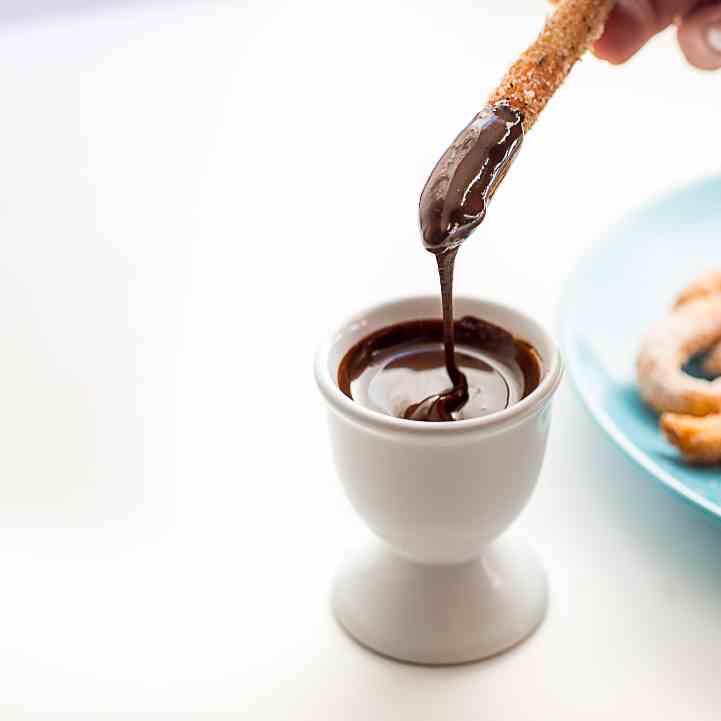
[446, 584]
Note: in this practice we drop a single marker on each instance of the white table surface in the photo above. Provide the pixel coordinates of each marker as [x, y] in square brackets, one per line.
[191, 193]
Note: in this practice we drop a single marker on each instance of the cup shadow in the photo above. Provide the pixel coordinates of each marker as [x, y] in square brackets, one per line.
[678, 536]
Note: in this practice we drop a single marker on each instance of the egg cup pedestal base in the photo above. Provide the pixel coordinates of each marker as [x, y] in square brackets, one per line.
[442, 614]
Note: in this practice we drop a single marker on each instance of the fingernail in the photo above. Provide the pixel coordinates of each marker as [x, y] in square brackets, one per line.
[713, 38]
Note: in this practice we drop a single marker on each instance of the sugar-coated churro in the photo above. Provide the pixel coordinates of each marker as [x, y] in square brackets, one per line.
[698, 439]
[539, 72]
[700, 287]
[690, 407]
[704, 285]
[712, 361]
[693, 327]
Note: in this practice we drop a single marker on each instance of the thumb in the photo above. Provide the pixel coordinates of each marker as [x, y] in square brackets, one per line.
[699, 36]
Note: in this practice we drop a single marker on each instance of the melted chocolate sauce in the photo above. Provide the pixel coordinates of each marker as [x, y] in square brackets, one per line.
[453, 204]
[393, 367]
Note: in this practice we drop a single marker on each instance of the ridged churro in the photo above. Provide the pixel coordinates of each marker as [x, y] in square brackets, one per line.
[706, 284]
[712, 361]
[692, 328]
[690, 407]
[533, 79]
[698, 439]
[702, 286]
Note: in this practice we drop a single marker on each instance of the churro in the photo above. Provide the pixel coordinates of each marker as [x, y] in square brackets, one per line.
[692, 328]
[698, 439]
[712, 361]
[456, 195]
[702, 286]
[533, 79]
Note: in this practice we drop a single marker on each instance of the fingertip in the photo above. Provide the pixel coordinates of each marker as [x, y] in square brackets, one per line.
[699, 36]
[608, 55]
[627, 30]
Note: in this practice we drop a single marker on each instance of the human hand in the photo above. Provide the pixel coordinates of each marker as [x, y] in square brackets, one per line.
[634, 22]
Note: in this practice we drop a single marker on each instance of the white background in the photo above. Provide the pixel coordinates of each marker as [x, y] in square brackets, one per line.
[191, 194]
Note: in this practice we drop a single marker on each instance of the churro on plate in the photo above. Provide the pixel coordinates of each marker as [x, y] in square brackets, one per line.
[698, 438]
[685, 332]
[707, 284]
[690, 406]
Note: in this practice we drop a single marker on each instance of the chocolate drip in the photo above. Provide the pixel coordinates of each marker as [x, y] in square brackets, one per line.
[442, 406]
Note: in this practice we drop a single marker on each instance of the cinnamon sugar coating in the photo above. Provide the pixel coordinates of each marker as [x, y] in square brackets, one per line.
[532, 80]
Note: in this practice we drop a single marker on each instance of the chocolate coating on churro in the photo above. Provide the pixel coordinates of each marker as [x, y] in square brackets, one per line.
[539, 72]
[456, 195]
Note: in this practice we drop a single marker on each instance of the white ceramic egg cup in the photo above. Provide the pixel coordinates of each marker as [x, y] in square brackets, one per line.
[441, 589]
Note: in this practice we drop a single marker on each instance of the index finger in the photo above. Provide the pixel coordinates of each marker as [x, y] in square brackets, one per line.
[633, 23]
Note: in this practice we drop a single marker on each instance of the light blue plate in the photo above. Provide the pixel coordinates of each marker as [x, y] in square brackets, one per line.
[620, 289]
